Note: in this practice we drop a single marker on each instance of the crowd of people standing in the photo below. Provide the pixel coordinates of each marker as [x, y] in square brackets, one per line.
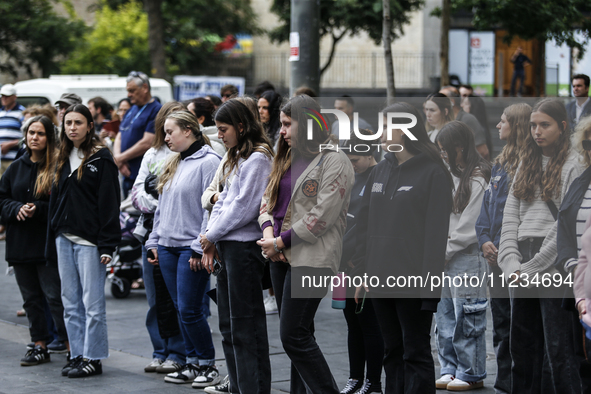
[240, 189]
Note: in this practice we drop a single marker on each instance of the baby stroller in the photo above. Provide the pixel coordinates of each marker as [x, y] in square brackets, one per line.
[126, 265]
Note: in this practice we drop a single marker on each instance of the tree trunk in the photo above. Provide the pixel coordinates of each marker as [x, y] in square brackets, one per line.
[540, 67]
[444, 50]
[156, 37]
[386, 38]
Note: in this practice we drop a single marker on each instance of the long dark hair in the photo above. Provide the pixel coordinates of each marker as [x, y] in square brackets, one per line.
[274, 99]
[251, 139]
[423, 144]
[301, 146]
[458, 134]
[47, 163]
[88, 147]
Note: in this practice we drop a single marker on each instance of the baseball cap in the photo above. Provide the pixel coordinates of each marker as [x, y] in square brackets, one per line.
[69, 99]
[8, 90]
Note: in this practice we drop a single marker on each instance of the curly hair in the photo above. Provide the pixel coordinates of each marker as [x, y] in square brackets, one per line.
[518, 118]
[531, 177]
[583, 132]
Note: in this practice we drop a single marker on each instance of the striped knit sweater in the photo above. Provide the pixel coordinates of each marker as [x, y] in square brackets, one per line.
[523, 220]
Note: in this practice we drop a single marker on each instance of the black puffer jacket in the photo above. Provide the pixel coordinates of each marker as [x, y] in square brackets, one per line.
[25, 240]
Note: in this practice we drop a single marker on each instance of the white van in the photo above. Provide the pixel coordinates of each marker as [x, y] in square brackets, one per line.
[109, 87]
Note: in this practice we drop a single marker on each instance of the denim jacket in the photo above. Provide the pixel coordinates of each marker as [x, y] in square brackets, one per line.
[490, 221]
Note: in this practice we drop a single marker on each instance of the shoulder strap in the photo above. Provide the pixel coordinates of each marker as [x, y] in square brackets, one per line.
[553, 209]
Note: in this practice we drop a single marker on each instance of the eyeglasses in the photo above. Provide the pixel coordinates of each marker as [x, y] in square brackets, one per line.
[61, 107]
[227, 95]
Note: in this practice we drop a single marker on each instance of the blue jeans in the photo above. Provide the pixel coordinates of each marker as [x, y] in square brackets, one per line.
[164, 348]
[83, 295]
[186, 289]
[461, 318]
[243, 322]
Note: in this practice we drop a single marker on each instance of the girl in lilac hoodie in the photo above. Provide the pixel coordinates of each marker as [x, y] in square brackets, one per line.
[174, 241]
[234, 229]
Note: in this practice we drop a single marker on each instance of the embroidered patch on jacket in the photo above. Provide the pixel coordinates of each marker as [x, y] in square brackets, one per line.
[310, 188]
[92, 168]
[377, 187]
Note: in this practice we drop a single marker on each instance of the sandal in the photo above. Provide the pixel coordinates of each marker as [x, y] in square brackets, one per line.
[21, 313]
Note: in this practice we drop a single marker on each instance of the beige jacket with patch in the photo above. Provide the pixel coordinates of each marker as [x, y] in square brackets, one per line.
[317, 211]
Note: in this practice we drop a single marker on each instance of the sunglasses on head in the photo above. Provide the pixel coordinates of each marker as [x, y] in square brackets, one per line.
[138, 74]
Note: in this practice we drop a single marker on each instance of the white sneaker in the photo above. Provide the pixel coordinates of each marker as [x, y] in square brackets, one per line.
[460, 385]
[185, 375]
[153, 365]
[443, 381]
[208, 376]
[270, 305]
[169, 366]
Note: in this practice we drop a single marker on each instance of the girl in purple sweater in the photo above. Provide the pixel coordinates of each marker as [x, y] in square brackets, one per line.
[234, 229]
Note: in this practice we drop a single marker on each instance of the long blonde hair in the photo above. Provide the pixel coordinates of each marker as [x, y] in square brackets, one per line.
[186, 120]
[518, 118]
[582, 132]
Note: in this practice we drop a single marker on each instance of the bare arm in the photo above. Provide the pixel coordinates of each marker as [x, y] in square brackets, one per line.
[137, 150]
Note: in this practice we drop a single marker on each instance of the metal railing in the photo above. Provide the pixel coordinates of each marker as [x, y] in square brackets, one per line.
[347, 70]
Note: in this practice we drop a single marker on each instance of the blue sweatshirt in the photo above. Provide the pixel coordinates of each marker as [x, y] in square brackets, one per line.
[180, 218]
[235, 215]
[490, 221]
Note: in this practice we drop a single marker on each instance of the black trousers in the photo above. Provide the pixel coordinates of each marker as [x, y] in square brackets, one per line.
[35, 282]
[310, 372]
[242, 318]
[365, 342]
[406, 330]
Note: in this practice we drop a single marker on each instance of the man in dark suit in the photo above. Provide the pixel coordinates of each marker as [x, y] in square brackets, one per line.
[580, 107]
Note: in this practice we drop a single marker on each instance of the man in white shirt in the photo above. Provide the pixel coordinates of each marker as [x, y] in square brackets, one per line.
[579, 108]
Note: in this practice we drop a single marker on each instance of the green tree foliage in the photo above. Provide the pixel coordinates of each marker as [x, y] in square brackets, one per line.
[33, 35]
[543, 20]
[339, 18]
[192, 28]
[117, 44]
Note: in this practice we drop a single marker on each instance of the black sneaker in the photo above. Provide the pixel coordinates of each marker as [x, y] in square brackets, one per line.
[369, 387]
[35, 356]
[72, 363]
[352, 386]
[57, 347]
[208, 376]
[86, 368]
[221, 388]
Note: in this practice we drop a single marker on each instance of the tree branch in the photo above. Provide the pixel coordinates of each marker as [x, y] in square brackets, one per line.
[335, 40]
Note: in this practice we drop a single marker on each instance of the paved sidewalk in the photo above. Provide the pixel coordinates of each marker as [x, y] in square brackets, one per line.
[123, 371]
